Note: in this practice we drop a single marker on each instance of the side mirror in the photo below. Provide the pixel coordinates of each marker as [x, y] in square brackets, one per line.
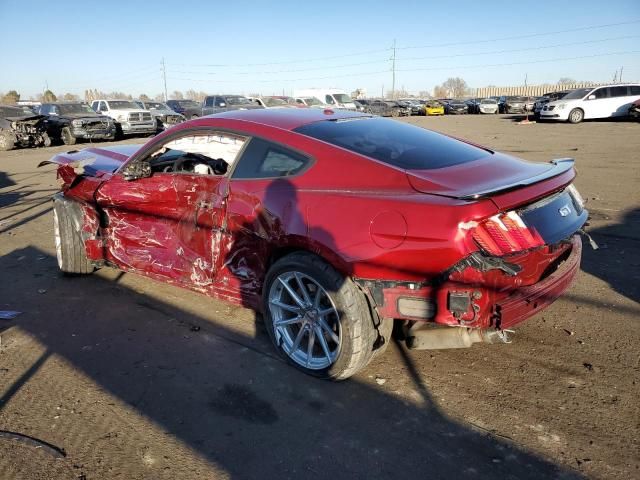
[136, 170]
[591, 97]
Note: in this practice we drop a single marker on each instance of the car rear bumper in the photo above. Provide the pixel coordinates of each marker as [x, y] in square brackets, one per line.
[494, 307]
[528, 301]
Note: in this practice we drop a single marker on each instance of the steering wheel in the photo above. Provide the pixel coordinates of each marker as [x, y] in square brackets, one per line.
[178, 165]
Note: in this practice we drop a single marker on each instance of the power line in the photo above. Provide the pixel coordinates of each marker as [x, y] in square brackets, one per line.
[434, 45]
[519, 63]
[307, 60]
[281, 71]
[517, 37]
[514, 50]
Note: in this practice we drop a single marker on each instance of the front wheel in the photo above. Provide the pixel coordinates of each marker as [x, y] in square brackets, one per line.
[576, 115]
[70, 252]
[318, 320]
[7, 141]
[67, 136]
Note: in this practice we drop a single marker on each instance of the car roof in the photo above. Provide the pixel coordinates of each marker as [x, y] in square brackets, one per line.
[288, 119]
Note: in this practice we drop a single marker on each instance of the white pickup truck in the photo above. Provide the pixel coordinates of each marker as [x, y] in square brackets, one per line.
[130, 118]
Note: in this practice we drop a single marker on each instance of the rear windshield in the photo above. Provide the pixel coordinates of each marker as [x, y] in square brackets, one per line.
[395, 143]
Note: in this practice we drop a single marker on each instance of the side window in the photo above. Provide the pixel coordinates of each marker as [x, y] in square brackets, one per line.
[262, 159]
[220, 102]
[103, 107]
[94, 106]
[210, 153]
[208, 102]
[329, 99]
[634, 90]
[600, 93]
[44, 109]
[618, 91]
[54, 110]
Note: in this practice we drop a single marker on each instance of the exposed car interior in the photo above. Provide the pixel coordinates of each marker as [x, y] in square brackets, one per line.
[211, 154]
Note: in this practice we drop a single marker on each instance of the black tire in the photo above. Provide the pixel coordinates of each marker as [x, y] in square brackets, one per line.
[67, 136]
[70, 253]
[358, 333]
[7, 141]
[576, 115]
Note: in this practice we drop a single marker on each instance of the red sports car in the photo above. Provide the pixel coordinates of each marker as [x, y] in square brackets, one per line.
[332, 224]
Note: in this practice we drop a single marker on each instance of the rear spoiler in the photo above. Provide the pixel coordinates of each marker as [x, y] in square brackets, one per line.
[560, 166]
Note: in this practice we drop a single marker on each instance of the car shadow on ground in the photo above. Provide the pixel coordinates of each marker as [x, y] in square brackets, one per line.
[227, 397]
[618, 257]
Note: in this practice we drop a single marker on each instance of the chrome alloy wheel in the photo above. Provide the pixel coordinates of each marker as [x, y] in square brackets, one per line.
[305, 320]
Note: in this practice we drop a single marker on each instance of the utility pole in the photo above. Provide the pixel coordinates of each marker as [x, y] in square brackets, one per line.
[164, 78]
[393, 70]
[620, 79]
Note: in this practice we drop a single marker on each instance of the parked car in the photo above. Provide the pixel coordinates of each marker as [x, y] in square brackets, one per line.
[289, 100]
[360, 107]
[164, 115]
[433, 107]
[129, 118]
[473, 105]
[514, 105]
[22, 128]
[592, 102]
[271, 102]
[188, 108]
[488, 105]
[386, 108]
[70, 121]
[454, 107]
[334, 97]
[546, 98]
[312, 102]
[281, 218]
[226, 103]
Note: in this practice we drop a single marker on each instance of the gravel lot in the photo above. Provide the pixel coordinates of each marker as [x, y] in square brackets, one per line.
[133, 379]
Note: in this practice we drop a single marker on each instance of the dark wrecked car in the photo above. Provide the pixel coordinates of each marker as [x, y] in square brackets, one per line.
[20, 127]
[316, 218]
[72, 121]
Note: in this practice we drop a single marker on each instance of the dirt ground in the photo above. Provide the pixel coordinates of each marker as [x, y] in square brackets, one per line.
[126, 378]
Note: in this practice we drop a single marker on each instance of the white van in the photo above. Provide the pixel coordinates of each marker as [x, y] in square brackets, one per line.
[333, 97]
[593, 102]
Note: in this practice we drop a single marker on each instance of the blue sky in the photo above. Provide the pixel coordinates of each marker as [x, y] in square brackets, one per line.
[275, 47]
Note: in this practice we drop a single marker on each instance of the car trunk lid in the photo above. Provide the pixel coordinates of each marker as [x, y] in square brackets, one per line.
[90, 162]
[506, 180]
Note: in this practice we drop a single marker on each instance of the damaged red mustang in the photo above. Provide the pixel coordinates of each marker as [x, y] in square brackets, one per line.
[333, 224]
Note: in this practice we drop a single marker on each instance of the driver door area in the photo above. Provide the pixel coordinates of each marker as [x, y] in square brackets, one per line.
[166, 222]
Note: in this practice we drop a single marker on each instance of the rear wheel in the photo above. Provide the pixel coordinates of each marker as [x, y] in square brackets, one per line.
[7, 140]
[576, 115]
[318, 320]
[70, 253]
[67, 136]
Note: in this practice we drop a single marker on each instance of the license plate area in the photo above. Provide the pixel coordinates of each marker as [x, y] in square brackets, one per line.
[556, 217]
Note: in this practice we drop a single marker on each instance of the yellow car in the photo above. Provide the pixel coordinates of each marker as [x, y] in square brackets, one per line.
[433, 108]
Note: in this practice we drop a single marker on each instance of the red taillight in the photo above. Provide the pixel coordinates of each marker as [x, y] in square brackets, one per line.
[505, 233]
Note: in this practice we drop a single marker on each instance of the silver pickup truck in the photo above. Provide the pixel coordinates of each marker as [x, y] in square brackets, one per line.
[130, 119]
